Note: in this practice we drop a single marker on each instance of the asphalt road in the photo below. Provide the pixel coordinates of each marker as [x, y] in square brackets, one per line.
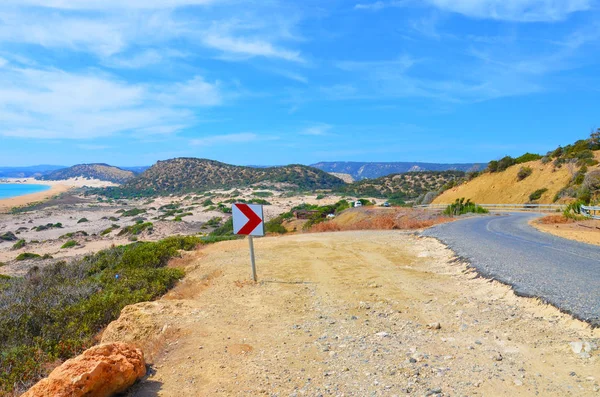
[562, 272]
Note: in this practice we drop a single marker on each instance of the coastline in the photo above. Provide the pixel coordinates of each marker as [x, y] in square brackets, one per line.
[56, 187]
[8, 203]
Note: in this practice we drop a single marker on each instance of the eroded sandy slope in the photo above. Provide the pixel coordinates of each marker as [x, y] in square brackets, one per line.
[348, 314]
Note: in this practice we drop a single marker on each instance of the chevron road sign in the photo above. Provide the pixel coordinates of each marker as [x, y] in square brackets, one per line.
[248, 221]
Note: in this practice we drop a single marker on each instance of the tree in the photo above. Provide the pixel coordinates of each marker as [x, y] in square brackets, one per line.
[595, 139]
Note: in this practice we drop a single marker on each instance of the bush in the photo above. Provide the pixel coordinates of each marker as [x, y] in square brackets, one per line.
[537, 194]
[136, 229]
[27, 255]
[82, 220]
[527, 157]
[573, 211]
[19, 244]
[461, 207]
[225, 229]
[69, 244]
[320, 197]
[262, 194]
[8, 236]
[524, 172]
[133, 212]
[54, 313]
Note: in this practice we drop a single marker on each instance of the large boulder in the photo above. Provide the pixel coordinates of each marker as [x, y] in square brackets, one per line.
[103, 370]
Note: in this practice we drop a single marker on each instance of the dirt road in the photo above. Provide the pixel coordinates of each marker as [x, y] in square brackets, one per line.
[352, 314]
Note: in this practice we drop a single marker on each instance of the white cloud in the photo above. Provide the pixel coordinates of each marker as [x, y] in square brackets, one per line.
[379, 5]
[93, 147]
[102, 37]
[55, 104]
[515, 10]
[227, 139]
[3, 62]
[106, 4]
[317, 130]
[508, 10]
[248, 47]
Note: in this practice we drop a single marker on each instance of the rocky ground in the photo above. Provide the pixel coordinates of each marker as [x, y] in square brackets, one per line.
[370, 313]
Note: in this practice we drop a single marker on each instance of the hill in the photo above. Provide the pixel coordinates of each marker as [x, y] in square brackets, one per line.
[182, 175]
[28, 172]
[405, 186]
[563, 175]
[103, 172]
[364, 170]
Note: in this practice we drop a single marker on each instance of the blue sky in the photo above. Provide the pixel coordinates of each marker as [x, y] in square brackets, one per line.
[129, 82]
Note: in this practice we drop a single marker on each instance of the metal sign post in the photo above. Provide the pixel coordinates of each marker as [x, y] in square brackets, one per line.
[251, 240]
[248, 221]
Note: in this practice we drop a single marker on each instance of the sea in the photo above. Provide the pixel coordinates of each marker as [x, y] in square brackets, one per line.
[9, 190]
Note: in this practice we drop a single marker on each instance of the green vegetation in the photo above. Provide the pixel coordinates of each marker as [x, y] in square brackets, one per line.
[527, 157]
[2, 264]
[207, 203]
[262, 194]
[537, 194]
[103, 172]
[83, 220]
[63, 306]
[136, 229]
[133, 212]
[461, 207]
[401, 187]
[188, 175]
[214, 222]
[8, 236]
[573, 211]
[19, 244]
[320, 197]
[27, 255]
[48, 226]
[524, 172]
[225, 229]
[69, 244]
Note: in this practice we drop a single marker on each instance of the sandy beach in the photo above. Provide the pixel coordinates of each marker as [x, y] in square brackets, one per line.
[56, 187]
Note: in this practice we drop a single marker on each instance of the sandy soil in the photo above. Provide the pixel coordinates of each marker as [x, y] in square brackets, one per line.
[352, 313]
[584, 231]
[69, 209]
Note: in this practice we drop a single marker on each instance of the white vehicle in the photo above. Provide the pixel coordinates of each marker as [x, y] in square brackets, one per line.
[357, 204]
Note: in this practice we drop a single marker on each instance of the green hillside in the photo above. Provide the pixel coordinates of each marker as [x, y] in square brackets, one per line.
[184, 175]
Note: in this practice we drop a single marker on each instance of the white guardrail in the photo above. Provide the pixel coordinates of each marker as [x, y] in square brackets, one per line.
[591, 212]
[506, 207]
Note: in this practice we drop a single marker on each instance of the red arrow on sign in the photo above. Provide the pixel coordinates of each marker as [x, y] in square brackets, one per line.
[253, 219]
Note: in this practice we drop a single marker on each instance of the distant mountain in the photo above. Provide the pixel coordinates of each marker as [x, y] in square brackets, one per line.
[136, 170]
[183, 175]
[27, 172]
[363, 170]
[103, 172]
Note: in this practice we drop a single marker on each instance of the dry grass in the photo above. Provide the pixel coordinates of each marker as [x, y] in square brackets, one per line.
[503, 187]
[373, 219]
[554, 220]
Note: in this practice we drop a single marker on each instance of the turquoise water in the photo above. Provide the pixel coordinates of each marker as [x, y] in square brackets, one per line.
[8, 190]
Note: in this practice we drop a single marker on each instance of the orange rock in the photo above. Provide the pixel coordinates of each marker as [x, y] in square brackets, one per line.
[101, 371]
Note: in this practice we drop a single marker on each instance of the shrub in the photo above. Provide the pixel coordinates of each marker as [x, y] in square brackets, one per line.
[207, 202]
[461, 207]
[527, 157]
[54, 313]
[82, 220]
[2, 264]
[8, 236]
[214, 222]
[136, 229]
[69, 244]
[19, 244]
[262, 194]
[133, 212]
[320, 197]
[573, 211]
[537, 194]
[524, 172]
[27, 255]
[225, 229]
